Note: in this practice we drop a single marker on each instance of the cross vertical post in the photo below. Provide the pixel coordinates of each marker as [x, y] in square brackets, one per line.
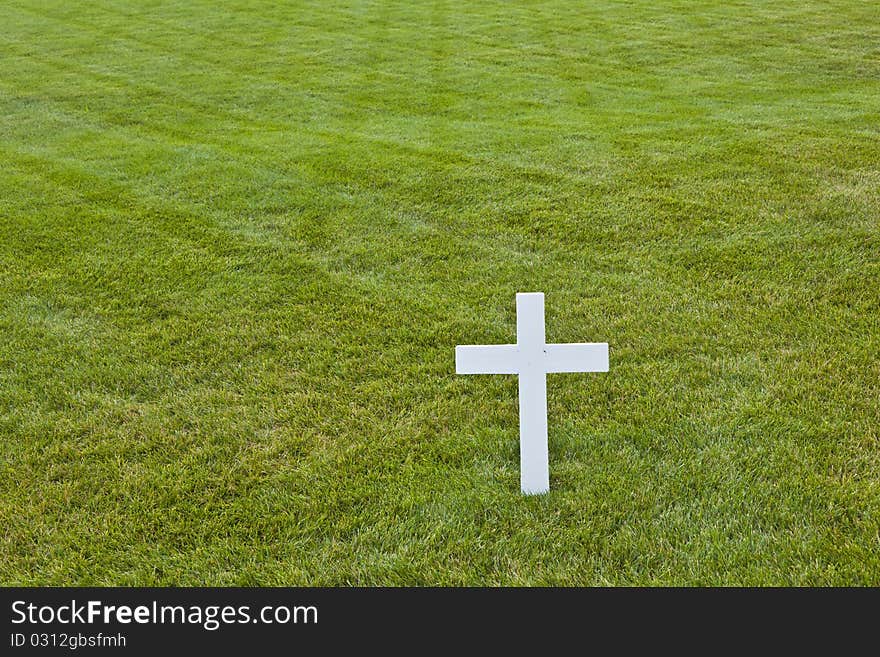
[534, 473]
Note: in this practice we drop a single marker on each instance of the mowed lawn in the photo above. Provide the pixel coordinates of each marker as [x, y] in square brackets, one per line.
[239, 242]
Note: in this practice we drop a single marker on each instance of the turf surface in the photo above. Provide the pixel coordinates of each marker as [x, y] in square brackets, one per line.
[239, 242]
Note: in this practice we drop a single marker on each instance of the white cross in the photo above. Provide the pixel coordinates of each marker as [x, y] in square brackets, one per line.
[532, 358]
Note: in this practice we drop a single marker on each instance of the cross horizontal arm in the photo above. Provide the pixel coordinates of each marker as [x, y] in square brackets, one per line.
[487, 359]
[577, 357]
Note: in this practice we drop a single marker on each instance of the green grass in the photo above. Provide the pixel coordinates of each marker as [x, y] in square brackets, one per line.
[240, 241]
